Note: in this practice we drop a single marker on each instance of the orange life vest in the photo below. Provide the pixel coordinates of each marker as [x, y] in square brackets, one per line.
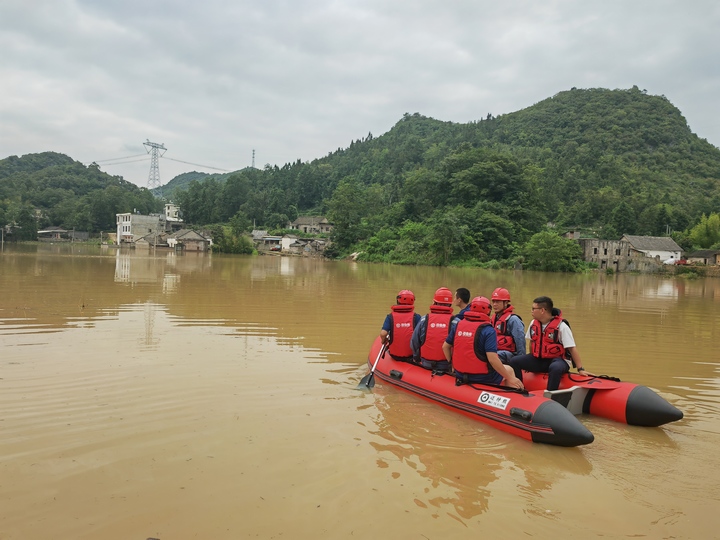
[403, 324]
[546, 344]
[465, 356]
[437, 326]
[505, 338]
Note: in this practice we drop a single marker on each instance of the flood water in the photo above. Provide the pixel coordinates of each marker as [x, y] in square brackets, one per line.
[178, 396]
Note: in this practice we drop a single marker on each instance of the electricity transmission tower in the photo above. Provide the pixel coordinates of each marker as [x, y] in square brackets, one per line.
[154, 178]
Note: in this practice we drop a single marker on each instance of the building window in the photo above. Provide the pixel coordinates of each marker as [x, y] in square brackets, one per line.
[617, 251]
[594, 251]
[605, 251]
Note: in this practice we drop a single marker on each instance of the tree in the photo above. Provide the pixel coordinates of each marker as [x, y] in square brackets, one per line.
[225, 241]
[22, 218]
[240, 223]
[234, 194]
[347, 207]
[482, 175]
[706, 233]
[550, 252]
[496, 234]
[446, 236]
[623, 219]
[276, 221]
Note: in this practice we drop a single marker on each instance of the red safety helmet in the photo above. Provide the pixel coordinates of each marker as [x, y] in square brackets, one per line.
[406, 297]
[501, 294]
[481, 305]
[443, 296]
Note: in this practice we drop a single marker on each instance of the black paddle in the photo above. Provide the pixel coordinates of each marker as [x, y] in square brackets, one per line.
[368, 381]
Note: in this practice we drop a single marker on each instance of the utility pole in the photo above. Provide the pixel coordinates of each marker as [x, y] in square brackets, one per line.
[253, 161]
[154, 178]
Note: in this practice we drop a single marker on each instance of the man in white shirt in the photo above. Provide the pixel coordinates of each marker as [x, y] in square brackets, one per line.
[552, 345]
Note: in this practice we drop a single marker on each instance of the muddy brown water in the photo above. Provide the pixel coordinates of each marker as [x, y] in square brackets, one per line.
[161, 395]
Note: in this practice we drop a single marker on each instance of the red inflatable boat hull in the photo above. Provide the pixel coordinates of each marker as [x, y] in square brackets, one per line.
[528, 415]
[624, 402]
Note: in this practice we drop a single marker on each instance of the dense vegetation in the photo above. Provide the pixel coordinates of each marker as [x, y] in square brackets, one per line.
[39, 190]
[605, 162]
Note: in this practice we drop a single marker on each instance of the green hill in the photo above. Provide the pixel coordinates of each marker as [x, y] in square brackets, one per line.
[182, 182]
[606, 162]
[38, 190]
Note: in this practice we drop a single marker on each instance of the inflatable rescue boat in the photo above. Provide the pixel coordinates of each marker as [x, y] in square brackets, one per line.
[528, 415]
[534, 414]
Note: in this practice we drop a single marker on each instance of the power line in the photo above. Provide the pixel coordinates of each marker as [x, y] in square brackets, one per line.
[122, 162]
[118, 158]
[154, 179]
[195, 164]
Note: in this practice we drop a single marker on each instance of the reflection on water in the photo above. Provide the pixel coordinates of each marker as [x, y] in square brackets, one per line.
[149, 341]
[159, 392]
[158, 267]
[419, 435]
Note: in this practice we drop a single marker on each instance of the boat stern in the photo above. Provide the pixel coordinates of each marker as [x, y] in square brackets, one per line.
[646, 408]
[567, 430]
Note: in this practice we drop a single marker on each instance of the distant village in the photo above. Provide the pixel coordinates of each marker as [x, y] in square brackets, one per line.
[167, 230]
[631, 253]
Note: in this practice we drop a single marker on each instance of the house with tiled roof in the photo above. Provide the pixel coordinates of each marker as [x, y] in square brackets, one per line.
[705, 256]
[662, 247]
[311, 224]
[189, 240]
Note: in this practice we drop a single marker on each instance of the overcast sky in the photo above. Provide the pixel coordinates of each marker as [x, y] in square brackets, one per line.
[296, 79]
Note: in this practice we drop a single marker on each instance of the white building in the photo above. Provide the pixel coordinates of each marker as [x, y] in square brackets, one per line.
[172, 212]
[132, 226]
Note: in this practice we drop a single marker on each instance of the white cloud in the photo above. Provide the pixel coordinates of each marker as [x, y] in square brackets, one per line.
[296, 80]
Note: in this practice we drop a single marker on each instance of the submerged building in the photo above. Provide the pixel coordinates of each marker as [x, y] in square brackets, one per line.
[131, 227]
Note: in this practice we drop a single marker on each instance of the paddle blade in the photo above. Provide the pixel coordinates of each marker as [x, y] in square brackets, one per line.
[368, 381]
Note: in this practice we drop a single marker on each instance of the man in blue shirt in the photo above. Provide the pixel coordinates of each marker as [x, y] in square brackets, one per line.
[462, 301]
[508, 325]
[398, 326]
[471, 347]
[431, 331]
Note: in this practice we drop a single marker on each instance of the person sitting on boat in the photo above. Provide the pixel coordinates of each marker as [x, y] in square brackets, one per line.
[509, 326]
[431, 331]
[551, 341]
[462, 301]
[399, 326]
[471, 348]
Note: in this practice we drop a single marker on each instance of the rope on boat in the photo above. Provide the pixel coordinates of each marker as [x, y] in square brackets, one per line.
[500, 387]
[586, 377]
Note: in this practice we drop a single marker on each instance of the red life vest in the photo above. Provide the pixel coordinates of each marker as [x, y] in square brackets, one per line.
[465, 357]
[436, 330]
[401, 330]
[546, 344]
[505, 338]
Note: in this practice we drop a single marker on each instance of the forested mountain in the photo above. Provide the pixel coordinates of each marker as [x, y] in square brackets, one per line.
[606, 161]
[182, 182]
[37, 190]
